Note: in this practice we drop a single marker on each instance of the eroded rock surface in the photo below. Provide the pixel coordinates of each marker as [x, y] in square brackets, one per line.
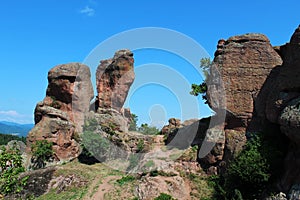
[60, 116]
[239, 71]
[114, 78]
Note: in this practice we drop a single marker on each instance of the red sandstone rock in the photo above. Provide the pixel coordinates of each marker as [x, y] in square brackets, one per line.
[238, 74]
[60, 115]
[114, 78]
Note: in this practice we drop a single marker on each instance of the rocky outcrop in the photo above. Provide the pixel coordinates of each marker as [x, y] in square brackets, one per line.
[114, 78]
[240, 69]
[282, 107]
[257, 87]
[60, 116]
[173, 124]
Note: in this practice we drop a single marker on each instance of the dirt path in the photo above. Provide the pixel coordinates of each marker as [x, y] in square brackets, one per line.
[104, 187]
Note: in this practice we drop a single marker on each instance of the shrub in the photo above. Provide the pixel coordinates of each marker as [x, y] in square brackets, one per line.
[140, 145]
[249, 174]
[164, 196]
[90, 125]
[41, 153]
[148, 130]
[95, 146]
[11, 167]
[133, 123]
[125, 179]
[133, 161]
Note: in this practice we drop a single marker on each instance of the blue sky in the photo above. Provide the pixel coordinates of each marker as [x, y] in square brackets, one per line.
[36, 35]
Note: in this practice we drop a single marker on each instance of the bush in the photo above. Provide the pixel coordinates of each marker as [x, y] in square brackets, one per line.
[11, 167]
[133, 161]
[125, 179]
[148, 130]
[41, 153]
[133, 123]
[140, 145]
[249, 174]
[164, 196]
[95, 146]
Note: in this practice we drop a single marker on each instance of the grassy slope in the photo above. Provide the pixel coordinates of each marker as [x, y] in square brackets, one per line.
[97, 177]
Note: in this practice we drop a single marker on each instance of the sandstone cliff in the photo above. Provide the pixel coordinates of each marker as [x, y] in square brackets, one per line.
[257, 87]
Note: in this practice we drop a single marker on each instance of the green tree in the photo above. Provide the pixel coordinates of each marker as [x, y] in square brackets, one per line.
[41, 153]
[133, 123]
[205, 64]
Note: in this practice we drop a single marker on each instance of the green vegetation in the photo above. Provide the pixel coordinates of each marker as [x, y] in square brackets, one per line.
[140, 146]
[41, 153]
[162, 173]
[144, 128]
[90, 125]
[201, 187]
[133, 161]
[11, 167]
[91, 175]
[94, 146]
[5, 138]
[250, 174]
[133, 123]
[205, 64]
[148, 130]
[149, 164]
[55, 103]
[125, 179]
[164, 196]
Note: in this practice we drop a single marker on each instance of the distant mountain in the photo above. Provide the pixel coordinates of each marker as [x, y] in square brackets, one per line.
[15, 128]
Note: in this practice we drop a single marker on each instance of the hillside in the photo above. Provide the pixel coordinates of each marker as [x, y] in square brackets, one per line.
[15, 128]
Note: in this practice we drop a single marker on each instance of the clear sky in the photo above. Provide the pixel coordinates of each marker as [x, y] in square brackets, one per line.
[36, 35]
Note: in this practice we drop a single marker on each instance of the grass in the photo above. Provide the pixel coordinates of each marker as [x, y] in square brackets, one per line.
[88, 173]
[149, 164]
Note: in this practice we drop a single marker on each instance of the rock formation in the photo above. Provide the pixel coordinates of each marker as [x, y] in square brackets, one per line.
[239, 70]
[114, 78]
[282, 107]
[252, 87]
[243, 64]
[59, 117]
[256, 87]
